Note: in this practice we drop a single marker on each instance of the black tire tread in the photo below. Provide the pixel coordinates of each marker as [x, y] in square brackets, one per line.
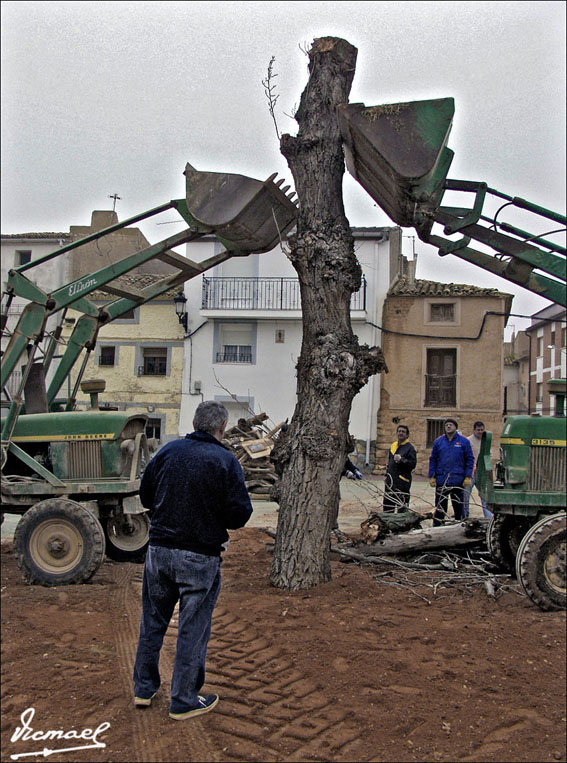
[86, 523]
[498, 535]
[137, 556]
[527, 563]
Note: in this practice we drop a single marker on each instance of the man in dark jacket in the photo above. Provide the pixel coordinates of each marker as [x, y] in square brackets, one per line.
[450, 470]
[402, 460]
[195, 490]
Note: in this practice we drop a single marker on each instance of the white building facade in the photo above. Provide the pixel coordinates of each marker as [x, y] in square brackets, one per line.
[245, 332]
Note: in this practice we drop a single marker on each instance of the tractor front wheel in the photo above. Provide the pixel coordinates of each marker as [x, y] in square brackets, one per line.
[540, 564]
[503, 537]
[58, 542]
[127, 537]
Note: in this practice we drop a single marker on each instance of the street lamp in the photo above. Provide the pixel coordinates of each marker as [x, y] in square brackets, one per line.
[180, 300]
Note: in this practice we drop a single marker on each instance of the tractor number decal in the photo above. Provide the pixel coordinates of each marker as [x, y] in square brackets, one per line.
[556, 443]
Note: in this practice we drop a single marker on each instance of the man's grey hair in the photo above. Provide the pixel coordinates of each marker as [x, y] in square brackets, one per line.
[210, 416]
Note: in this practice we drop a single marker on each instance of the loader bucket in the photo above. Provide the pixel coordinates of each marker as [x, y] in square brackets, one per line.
[398, 154]
[249, 215]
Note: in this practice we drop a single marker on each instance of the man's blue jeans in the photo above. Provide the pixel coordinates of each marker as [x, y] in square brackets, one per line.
[467, 492]
[172, 575]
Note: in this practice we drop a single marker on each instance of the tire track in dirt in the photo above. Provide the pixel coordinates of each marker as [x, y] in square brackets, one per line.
[268, 710]
[515, 721]
[125, 635]
[154, 735]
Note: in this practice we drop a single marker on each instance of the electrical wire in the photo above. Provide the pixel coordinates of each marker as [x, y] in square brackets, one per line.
[470, 338]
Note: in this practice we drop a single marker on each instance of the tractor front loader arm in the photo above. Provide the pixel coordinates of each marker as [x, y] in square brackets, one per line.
[398, 153]
[85, 333]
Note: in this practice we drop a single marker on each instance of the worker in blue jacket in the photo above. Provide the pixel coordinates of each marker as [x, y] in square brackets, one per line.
[450, 470]
[195, 490]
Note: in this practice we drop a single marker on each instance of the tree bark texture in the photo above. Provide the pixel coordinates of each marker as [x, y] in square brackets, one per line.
[332, 366]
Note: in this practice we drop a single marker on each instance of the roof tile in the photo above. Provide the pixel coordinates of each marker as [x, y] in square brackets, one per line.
[422, 288]
[36, 235]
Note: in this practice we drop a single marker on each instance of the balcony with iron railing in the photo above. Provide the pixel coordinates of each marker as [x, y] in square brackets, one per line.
[440, 391]
[235, 357]
[270, 294]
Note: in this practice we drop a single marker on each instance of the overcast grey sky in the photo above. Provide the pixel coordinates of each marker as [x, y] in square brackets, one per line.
[105, 97]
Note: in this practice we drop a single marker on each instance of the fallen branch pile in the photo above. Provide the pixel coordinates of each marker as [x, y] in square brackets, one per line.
[427, 575]
[437, 575]
[431, 562]
[252, 443]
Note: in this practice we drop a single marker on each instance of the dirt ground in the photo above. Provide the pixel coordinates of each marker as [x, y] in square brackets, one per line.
[356, 669]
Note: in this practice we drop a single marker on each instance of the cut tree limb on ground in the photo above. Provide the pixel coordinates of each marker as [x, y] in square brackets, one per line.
[378, 525]
[469, 533]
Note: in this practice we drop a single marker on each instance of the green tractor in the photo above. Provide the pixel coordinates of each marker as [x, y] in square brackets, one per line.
[526, 493]
[75, 478]
[75, 475]
[399, 154]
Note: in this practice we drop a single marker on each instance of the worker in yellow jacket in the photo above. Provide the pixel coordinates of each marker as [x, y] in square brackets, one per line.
[402, 460]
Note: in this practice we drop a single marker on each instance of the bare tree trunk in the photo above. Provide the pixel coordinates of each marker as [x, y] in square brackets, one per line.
[332, 366]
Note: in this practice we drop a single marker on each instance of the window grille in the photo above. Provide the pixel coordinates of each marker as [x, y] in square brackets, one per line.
[155, 361]
[434, 430]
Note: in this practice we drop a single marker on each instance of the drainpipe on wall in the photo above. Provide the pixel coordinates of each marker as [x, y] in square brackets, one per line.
[371, 384]
[190, 337]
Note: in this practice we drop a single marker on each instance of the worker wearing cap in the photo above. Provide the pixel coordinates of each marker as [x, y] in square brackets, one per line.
[450, 470]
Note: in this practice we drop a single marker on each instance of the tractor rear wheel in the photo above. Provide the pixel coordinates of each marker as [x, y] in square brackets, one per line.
[58, 542]
[127, 538]
[540, 565]
[503, 537]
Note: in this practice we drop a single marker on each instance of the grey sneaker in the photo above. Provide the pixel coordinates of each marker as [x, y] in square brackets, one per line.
[144, 701]
[204, 705]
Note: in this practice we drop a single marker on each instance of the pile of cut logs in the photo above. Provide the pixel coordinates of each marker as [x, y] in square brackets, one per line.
[252, 442]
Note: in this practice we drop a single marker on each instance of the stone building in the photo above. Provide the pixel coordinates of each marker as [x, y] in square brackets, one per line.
[111, 248]
[443, 344]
